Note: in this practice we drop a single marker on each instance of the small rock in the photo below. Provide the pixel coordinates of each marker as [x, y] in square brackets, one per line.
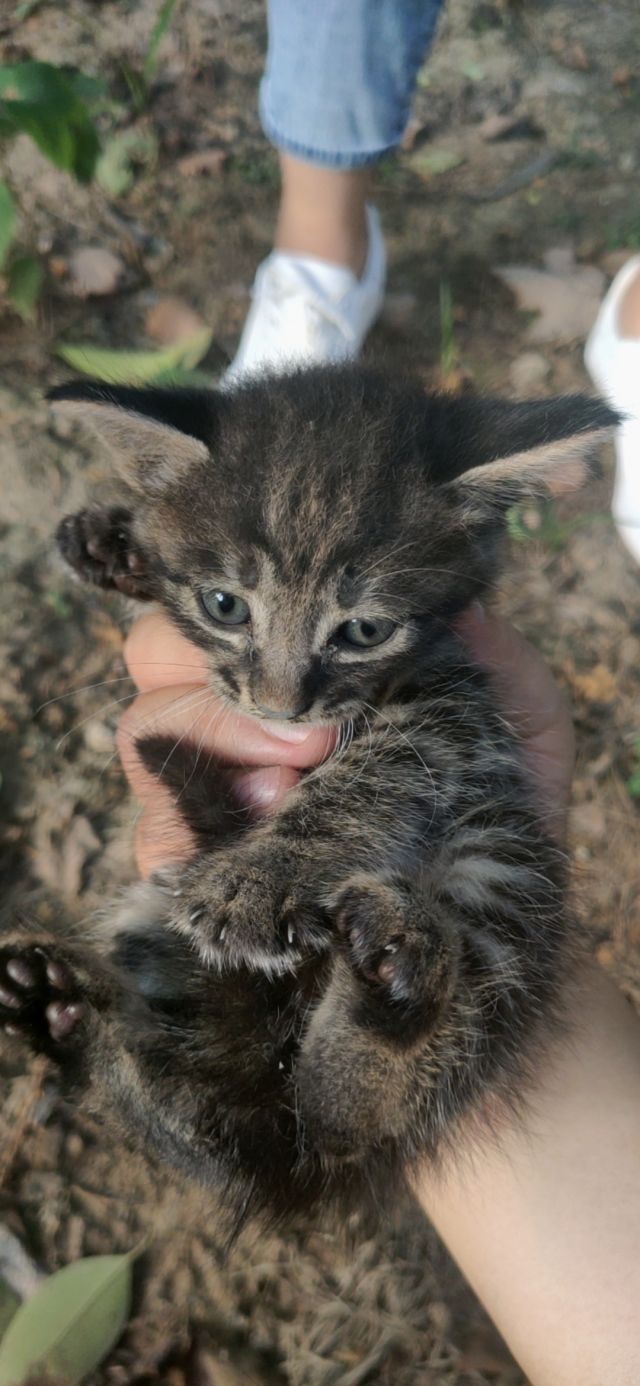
[172, 320]
[587, 821]
[94, 271]
[559, 259]
[98, 737]
[399, 310]
[627, 161]
[529, 372]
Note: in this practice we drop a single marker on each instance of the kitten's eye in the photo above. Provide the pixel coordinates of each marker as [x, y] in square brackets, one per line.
[366, 632]
[225, 607]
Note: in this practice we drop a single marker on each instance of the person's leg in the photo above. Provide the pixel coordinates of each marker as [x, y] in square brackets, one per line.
[322, 213]
[335, 97]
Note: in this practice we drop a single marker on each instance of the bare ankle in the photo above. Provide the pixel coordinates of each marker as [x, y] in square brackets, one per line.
[322, 213]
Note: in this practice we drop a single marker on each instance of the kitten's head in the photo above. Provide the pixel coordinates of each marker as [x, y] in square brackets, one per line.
[315, 533]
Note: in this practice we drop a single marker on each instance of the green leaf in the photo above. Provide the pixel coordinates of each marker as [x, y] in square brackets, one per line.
[115, 170]
[71, 1322]
[157, 34]
[24, 282]
[137, 367]
[45, 103]
[7, 221]
[429, 162]
[26, 8]
[9, 1300]
[179, 376]
[633, 785]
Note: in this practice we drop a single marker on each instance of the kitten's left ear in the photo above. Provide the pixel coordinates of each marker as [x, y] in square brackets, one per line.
[504, 451]
[155, 436]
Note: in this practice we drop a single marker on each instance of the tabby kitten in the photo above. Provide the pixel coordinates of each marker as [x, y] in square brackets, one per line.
[315, 1001]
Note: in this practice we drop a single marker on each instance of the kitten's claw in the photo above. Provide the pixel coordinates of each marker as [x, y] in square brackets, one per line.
[397, 952]
[253, 909]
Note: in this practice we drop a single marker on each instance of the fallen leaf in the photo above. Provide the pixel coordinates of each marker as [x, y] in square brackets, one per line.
[93, 271]
[202, 161]
[429, 161]
[566, 296]
[172, 320]
[71, 1322]
[598, 685]
[131, 367]
[80, 843]
[24, 282]
[116, 167]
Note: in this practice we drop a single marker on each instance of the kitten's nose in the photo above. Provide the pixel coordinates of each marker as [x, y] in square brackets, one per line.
[282, 714]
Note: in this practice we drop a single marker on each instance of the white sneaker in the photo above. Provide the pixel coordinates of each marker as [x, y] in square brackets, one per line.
[613, 362]
[309, 311]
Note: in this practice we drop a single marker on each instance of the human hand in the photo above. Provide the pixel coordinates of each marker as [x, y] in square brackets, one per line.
[173, 699]
[533, 704]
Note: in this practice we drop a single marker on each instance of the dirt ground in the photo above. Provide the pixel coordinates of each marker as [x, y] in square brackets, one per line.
[523, 145]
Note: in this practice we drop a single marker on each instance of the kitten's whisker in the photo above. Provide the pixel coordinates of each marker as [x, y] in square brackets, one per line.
[98, 712]
[403, 736]
[82, 688]
[119, 678]
[184, 702]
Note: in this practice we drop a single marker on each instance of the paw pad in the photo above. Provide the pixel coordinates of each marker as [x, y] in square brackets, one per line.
[38, 996]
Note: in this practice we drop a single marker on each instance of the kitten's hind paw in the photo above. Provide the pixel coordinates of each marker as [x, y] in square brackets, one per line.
[40, 998]
[97, 545]
[397, 952]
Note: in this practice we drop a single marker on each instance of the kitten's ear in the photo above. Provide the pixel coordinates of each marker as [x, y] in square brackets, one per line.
[155, 436]
[502, 451]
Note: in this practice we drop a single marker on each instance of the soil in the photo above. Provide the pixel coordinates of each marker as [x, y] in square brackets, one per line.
[523, 141]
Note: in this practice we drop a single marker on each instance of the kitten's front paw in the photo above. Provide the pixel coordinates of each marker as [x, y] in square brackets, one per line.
[40, 997]
[97, 545]
[397, 951]
[253, 907]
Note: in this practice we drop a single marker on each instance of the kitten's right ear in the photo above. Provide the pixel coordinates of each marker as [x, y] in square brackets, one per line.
[147, 431]
[491, 453]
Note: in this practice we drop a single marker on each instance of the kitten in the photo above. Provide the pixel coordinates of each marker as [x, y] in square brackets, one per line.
[314, 1002]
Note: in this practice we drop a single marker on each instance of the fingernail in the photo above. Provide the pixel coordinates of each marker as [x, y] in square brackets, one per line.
[478, 611]
[283, 731]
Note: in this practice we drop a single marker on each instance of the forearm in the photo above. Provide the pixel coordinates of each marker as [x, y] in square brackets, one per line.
[545, 1223]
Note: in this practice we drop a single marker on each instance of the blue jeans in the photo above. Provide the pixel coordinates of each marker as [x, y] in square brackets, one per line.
[340, 75]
